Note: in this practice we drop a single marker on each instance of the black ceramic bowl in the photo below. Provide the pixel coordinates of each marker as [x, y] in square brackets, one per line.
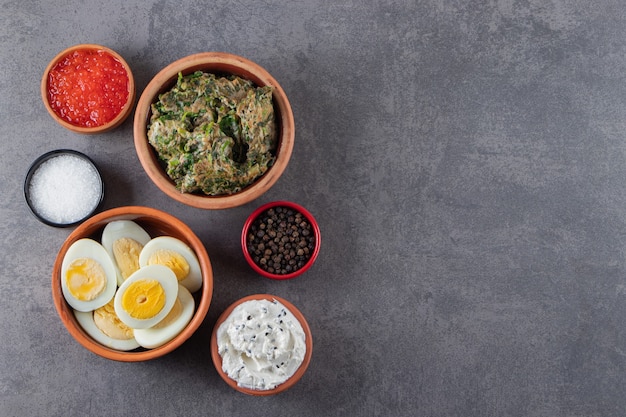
[63, 188]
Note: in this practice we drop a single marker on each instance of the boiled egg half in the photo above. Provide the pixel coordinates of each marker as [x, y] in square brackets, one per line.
[105, 327]
[146, 297]
[176, 255]
[124, 241]
[88, 278]
[171, 325]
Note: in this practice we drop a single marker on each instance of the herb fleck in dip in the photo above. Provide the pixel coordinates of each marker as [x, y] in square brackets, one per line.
[215, 135]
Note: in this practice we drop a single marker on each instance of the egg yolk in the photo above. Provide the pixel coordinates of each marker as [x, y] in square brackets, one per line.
[173, 260]
[143, 299]
[126, 252]
[109, 323]
[85, 279]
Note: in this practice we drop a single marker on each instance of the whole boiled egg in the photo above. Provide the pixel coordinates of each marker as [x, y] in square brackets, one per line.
[176, 255]
[105, 327]
[146, 297]
[88, 278]
[171, 325]
[124, 241]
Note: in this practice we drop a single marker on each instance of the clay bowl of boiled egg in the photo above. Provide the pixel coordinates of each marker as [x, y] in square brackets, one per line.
[132, 283]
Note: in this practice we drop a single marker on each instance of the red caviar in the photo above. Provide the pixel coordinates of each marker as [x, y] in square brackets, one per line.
[88, 87]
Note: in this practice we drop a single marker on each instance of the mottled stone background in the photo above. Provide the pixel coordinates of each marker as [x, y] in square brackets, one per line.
[465, 160]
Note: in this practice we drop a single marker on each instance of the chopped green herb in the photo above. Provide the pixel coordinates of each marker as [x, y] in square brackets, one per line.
[215, 135]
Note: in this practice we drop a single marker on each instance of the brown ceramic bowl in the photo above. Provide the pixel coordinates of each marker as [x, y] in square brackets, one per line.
[217, 359]
[218, 63]
[156, 223]
[99, 54]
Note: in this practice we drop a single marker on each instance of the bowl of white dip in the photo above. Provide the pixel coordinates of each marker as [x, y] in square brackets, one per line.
[261, 345]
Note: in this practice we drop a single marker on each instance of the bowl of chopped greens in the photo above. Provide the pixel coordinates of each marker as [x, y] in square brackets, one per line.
[214, 130]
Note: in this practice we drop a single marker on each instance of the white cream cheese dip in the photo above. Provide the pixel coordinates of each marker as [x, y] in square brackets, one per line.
[261, 344]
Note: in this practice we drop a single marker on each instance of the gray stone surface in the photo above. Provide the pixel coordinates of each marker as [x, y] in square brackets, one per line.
[465, 160]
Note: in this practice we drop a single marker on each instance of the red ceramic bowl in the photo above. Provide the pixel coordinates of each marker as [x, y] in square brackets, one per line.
[156, 223]
[217, 359]
[98, 52]
[218, 63]
[250, 257]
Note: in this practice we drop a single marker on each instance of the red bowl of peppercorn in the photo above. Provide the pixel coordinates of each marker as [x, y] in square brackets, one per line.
[281, 240]
[88, 89]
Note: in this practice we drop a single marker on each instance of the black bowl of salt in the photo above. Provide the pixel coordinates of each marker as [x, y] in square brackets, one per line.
[63, 188]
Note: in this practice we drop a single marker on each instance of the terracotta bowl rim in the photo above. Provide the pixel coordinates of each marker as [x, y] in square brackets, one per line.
[217, 359]
[123, 114]
[294, 206]
[93, 225]
[217, 62]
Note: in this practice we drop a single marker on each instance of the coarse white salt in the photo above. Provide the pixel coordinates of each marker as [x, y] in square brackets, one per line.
[65, 189]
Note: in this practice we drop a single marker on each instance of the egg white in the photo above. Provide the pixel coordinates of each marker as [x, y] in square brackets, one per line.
[193, 281]
[168, 281]
[89, 248]
[122, 229]
[85, 319]
[155, 337]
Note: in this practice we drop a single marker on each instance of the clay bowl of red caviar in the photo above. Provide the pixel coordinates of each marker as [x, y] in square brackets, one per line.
[222, 65]
[88, 89]
[281, 240]
[157, 224]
